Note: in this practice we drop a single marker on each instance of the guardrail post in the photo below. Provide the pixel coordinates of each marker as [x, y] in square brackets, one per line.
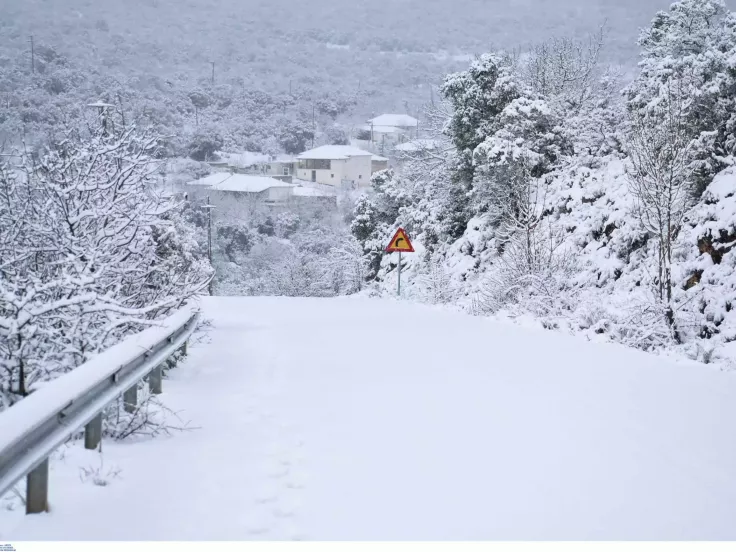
[93, 432]
[154, 380]
[37, 489]
[184, 347]
[130, 399]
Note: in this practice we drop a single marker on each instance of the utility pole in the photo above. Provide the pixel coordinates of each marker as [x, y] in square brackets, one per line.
[398, 287]
[313, 126]
[33, 57]
[290, 87]
[209, 230]
[209, 237]
[213, 72]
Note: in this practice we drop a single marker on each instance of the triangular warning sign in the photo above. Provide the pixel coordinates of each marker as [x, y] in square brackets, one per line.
[400, 242]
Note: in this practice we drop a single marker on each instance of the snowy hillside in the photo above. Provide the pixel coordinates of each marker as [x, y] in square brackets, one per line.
[154, 56]
[365, 419]
[557, 191]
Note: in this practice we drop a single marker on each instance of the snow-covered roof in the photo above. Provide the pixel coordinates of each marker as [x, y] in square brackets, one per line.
[333, 152]
[394, 120]
[379, 158]
[239, 183]
[416, 145]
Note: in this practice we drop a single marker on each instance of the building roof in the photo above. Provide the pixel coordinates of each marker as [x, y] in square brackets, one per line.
[333, 152]
[379, 158]
[227, 182]
[394, 120]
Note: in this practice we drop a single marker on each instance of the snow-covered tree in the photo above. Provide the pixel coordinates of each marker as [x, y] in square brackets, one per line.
[91, 250]
[375, 218]
[661, 180]
[691, 47]
[477, 96]
[564, 69]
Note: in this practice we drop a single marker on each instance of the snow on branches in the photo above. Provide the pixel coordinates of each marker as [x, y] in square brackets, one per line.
[90, 250]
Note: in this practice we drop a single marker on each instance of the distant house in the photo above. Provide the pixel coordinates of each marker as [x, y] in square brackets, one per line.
[279, 165]
[220, 166]
[378, 163]
[234, 192]
[262, 188]
[389, 129]
[282, 167]
[338, 166]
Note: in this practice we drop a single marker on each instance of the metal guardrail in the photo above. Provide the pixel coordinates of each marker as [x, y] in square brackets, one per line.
[34, 427]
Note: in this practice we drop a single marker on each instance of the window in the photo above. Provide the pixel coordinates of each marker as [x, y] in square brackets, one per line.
[315, 164]
[332, 176]
[286, 171]
[360, 177]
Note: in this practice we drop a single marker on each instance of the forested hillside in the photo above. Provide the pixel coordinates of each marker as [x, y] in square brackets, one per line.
[273, 60]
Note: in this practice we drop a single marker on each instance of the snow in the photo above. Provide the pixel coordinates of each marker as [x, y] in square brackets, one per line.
[305, 191]
[100, 104]
[333, 152]
[244, 159]
[52, 398]
[364, 419]
[282, 158]
[378, 158]
[394, 120]
[417, 145]
[382, 129]
[227, 182]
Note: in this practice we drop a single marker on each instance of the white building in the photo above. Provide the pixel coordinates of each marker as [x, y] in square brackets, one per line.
[279, 165]
[263, 188]
[338, 166]
[390, 129]
[242, 194]
[378, 163]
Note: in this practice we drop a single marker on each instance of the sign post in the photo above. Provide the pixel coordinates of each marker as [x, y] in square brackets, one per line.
[400, 243]
[398, 279]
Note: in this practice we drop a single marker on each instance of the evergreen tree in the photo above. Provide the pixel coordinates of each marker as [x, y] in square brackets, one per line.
[690, 49]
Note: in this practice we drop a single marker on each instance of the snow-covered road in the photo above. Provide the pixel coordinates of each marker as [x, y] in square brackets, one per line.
[363, 419]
